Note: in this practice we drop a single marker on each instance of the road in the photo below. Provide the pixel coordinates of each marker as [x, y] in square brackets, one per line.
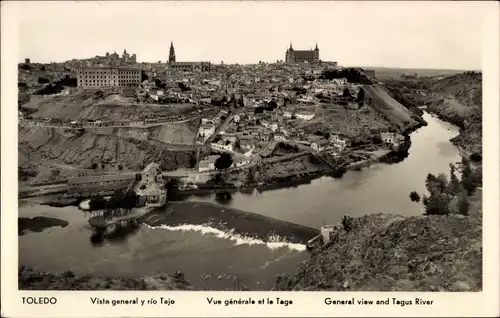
[220, 128]
[108, 124]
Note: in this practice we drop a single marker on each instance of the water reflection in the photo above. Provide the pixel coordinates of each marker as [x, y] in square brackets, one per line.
[223, 197]
[118, 233]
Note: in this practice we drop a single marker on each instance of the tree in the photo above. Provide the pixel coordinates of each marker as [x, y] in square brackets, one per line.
[347, 223]
[361, 95]
[160, 84]
[469, 178]
[438, 200]
[454, 186]
[258, 110]
[436, 204]
[414, 196]
[346, 93]
[224, 161]
[463, 203]
[97, 203]
[183, 87]
[271, 105]
[144, 76]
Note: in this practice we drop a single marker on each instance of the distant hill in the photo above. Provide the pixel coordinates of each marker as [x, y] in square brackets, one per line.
[395, 73]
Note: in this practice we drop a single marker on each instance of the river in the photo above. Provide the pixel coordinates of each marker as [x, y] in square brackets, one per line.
[198, 251]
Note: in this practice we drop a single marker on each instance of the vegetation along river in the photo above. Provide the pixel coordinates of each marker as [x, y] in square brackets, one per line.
[212, 259]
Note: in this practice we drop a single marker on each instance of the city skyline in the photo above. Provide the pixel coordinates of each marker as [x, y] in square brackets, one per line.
[369, 35]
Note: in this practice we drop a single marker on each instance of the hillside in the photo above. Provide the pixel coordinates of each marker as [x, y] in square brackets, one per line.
[99, 106]
[456, 98]
[52, 153]
[385, 73]
[32, 280]
[384, 252]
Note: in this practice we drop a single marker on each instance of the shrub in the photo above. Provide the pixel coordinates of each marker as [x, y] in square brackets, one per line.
[347, 223]
[414, 196]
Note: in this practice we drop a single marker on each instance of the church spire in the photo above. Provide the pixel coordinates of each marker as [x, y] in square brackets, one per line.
[316, 47]
[171, 55]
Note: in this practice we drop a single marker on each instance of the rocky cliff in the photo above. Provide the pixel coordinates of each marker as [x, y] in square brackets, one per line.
[382, 252]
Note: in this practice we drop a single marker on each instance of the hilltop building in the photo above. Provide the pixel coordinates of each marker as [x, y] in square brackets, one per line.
[302, 56]
[108, 76]
[113, 59]
[186, 66]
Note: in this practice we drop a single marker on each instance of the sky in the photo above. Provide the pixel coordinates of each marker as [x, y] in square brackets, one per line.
[438, 35]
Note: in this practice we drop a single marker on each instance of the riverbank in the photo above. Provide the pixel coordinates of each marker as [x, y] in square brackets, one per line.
[28, 279]
[230, 221]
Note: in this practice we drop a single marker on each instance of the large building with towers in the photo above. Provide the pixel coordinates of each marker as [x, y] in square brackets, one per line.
[302, 56]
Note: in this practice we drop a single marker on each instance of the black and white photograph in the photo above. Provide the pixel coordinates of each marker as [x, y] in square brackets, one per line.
[245, 146]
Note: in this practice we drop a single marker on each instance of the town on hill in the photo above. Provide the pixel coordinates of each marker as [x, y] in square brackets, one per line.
[128, 141]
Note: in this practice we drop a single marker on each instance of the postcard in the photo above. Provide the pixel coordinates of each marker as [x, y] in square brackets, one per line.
[250, 159]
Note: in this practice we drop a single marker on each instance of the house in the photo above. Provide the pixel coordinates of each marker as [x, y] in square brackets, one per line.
[223, 145]
[206, 130]
[205, 99]
[304, 115]
[231, 139]
[150, 188]
[392, 138]
[279, 137]
[206, 121]
[270, 125]
[151, 174]
[327, 233]
[207, 164]
[236, 118]
[320, 145]
[340, 81]
[240, 161]
[339, 143]
[154, 93]
[287, 114]
[248, 101]
[153, 196]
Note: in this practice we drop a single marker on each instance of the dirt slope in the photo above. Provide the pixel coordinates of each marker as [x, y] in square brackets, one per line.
[127, 147]
[391, 108]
